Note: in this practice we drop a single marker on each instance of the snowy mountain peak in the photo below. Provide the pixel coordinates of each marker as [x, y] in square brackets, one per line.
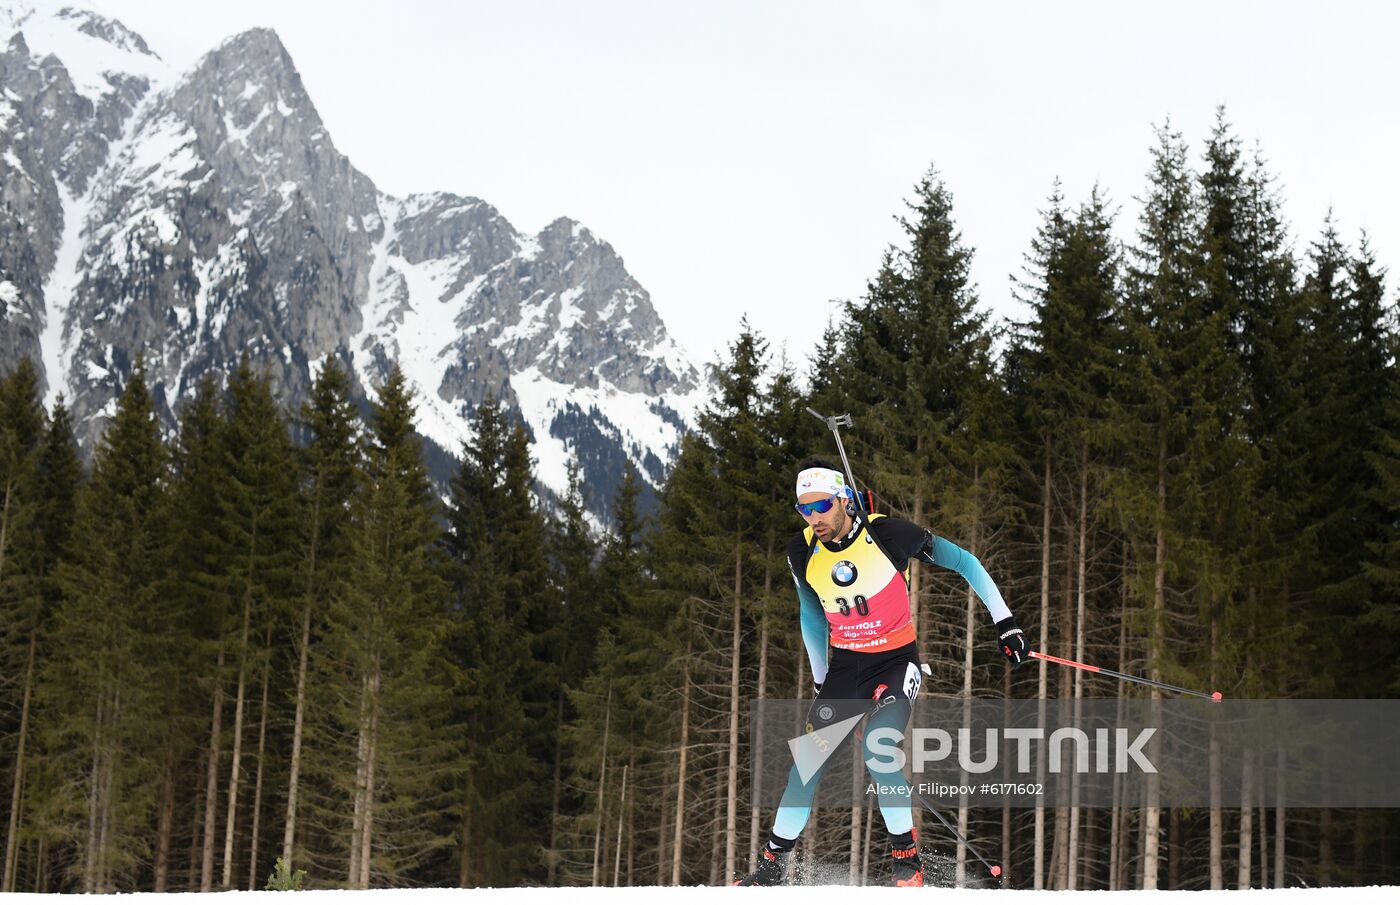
[104, 29]
[102, 56]
[194, 220]
[252, 70]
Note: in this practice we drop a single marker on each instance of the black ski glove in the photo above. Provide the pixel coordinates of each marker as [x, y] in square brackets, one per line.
[1012, 641]
[817, 687]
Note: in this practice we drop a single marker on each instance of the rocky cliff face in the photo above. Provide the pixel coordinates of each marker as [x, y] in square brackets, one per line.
[194, 218]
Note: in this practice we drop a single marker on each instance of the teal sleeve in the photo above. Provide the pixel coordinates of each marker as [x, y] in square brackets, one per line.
[815, 630]
[950, 556]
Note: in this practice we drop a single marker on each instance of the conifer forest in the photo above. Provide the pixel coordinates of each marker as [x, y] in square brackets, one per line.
[269, 634]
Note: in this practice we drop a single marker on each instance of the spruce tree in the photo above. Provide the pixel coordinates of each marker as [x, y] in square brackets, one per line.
[1162, 408]
[1382, 563]
[1345, 354]
[22, 429]
[666, 648]
[1228, 463]
[488, 656]
[572, 638]
[1368, 424]
[113, 655]
[198, 592]
[397, 761]
[255, 541]
[1270, 345]
[26, 559]
[535, 627]
[328, 468]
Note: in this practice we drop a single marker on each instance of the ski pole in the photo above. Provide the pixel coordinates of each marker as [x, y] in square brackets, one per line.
[834, 423]
[993, 869]
[1212, 696]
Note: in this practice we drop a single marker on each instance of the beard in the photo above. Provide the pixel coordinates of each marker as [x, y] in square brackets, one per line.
[840, 525]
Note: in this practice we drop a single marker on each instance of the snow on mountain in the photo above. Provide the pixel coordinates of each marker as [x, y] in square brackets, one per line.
[195, 218]
[100, 54]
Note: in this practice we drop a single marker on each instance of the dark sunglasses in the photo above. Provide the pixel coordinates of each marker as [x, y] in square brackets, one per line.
[806, 509]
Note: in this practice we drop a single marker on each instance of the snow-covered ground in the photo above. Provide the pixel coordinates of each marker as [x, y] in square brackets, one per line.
[792, 895]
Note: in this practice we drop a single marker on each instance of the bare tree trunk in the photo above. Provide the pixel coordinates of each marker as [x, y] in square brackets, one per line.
[464, 867]
[231, 818]
[1261, 786]
[1006, 824]
[1244, 878]
[969, 631]
[1324, 847]
[717, 840]
[1217, 813]
[1151, 830]
[1280, 817]
[94, 802]
[108, 798]
[1152, 815]
[366, 844]
[258, 782]
[211, 787]
[165, 821]
[1091, 830]
[865, 853]
[1072, 855]
[1043, 679]
[602, 788]
[17, 788]
[1117, 847]
[1059, 858]
[757, 792]
[663, 837]
[303, 655]
[1125, 865]
[1115, 851]
[294, 767]
[553, 867]
[1361, 838]
[631, 830]
[1142, 848]
[1173, 848]
[731, 812]
[621, 813]
[361, 761]
[678, 842]
[196, 842]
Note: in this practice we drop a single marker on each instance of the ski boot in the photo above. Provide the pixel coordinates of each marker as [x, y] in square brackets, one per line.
[908, 869]
[772, 869]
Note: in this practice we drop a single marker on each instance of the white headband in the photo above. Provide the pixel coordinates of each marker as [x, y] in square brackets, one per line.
[821, 480]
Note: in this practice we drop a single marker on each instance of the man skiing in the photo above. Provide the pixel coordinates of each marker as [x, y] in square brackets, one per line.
[852, 572]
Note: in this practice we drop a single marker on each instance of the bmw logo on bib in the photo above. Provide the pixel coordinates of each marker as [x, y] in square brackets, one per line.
[844, 573]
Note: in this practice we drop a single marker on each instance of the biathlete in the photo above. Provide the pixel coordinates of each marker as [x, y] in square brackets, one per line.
[852, 575]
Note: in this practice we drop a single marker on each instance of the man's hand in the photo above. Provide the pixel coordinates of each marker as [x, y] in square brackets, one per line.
[1012, 641]
[816, 688]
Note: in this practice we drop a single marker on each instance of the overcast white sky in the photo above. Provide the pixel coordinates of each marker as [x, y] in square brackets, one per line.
[749, 157]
